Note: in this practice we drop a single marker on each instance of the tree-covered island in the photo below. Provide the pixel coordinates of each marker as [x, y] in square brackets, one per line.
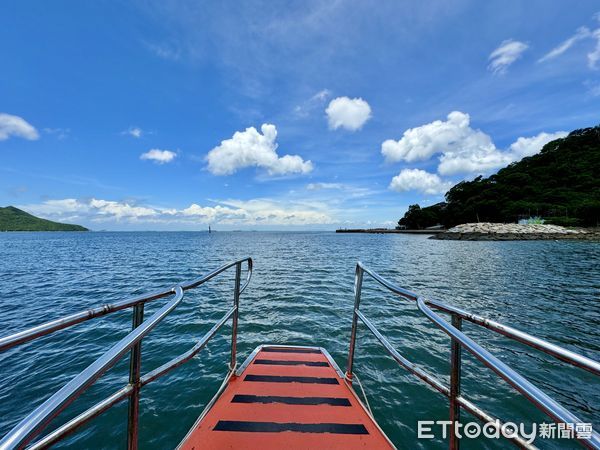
[560, 185]
[15, 219]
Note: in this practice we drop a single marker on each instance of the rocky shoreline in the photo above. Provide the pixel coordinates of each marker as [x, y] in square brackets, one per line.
[511, 232]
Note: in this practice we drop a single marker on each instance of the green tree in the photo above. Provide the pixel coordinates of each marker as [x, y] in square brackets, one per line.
[561, 183]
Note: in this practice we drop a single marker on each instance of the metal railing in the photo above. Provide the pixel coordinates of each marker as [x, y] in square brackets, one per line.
[458, 341]
[33, 425]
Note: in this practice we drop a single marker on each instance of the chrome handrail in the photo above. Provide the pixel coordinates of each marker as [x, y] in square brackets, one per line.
[29, 334]
[458, 340]
[32, 425]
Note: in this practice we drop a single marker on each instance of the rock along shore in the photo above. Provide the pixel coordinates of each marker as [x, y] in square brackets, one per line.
[511, 232]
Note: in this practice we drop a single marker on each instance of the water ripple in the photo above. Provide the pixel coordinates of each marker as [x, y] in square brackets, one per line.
[301, 293]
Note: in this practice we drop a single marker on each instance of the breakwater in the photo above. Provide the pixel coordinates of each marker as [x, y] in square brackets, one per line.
[513, 232]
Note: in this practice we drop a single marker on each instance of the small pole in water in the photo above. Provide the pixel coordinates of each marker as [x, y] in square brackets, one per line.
[209, 229]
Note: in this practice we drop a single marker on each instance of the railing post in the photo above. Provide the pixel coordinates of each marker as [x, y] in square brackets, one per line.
[234, 325]
[135, 364]
[358, 279]
[455, 375]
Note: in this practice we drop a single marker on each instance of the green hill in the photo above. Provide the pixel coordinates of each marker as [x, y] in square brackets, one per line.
[14, 219]
[560, 184]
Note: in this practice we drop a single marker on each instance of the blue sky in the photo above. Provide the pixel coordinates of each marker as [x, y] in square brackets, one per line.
[171, 115]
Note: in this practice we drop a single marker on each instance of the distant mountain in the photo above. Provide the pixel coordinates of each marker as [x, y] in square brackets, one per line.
[561, 184]
[14, 219]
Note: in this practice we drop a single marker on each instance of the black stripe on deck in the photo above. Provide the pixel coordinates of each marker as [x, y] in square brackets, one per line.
[290, 350]
[333, 401]
[290, 379]
[275, 362]
[274, 427]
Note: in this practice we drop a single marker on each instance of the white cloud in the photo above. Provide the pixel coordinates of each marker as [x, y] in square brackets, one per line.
[322, 95]
[580, 34]
[251, 149]
[93, 209]
[476, 161]
[57, 207]
[481, 160]
[212, 213]
[136, 132]
[462, 149]
[419, 180]
[317, 100]
[120, 210]
[453, 136]
[228, 212]
[320, 186]
[348, 113]
[16, 126]
[271, 212]
[530, 146]
[506, 54]
[159, 156]
[594, 55]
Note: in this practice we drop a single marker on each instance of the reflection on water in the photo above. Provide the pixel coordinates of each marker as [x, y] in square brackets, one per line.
[301, 293]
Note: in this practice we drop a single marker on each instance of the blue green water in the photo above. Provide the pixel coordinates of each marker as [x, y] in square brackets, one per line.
[301, 293]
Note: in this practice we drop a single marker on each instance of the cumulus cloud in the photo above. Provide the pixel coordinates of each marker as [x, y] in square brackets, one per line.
[530, 146]
[506, 54]
[580, 34]
[473, 159]
[462, 149]
[159, 156]
[348, 113]
[481, 160]
[251, 149]
[211, 213]
[419, 180]
[228, 212]
[95, 209]
[454, 138]
[120, 210]
[16, 126]
[271, 212]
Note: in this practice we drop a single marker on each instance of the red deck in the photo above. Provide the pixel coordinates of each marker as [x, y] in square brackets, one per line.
[287, 398]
